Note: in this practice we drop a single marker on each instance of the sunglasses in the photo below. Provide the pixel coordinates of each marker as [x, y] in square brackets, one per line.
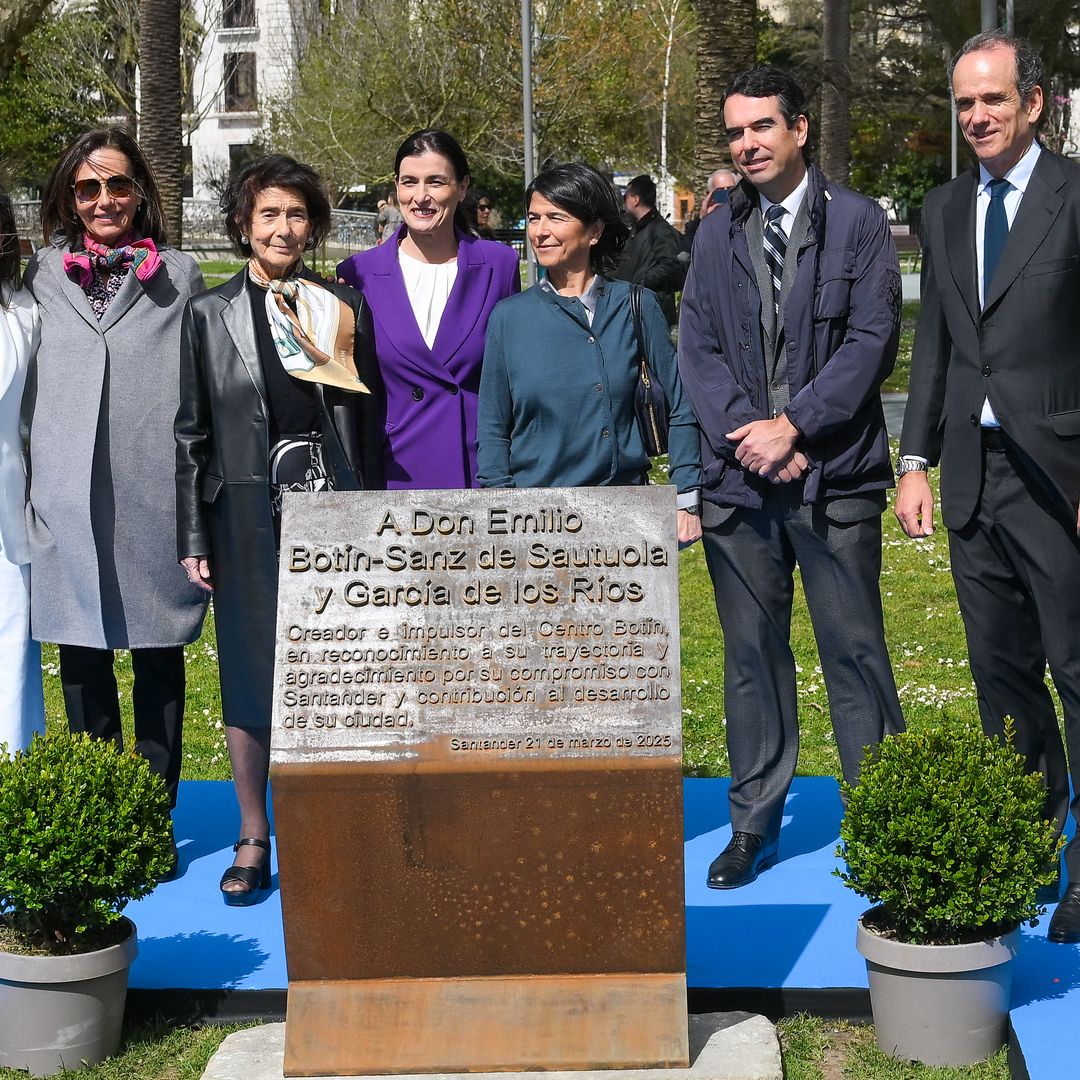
[484, 206]
[120, 187]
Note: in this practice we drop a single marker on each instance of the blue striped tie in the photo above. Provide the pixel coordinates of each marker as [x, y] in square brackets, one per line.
[995, 232]
[775, 241]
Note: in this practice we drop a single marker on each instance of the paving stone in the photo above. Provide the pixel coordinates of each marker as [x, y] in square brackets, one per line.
[723, 1046]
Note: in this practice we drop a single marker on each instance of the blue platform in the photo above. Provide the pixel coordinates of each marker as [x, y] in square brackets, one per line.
[791, 931]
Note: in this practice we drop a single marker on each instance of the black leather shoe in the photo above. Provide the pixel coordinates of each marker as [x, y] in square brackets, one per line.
[1065, 924]
[741, 861]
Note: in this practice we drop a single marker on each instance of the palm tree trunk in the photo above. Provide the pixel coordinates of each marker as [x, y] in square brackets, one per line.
[161, 105]
[726, 46]
[836, 90]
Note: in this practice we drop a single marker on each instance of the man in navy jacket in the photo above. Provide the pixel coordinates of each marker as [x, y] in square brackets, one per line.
[790, 322]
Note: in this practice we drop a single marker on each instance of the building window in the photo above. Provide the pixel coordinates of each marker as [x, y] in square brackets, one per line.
[241, 155]
[240, 82]
[237, 13]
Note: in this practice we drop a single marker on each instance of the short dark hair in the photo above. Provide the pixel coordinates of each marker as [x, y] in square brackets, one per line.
[9, 249]
[274, 170]
[437, 141]
[589, 196]
[644, 187]
[59, 221]
[1029, 66]
[766, 80]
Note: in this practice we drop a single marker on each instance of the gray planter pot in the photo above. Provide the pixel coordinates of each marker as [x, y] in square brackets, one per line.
[939, 1004]
[63, 1012]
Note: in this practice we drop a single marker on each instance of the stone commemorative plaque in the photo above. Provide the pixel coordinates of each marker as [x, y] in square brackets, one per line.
[476, 760]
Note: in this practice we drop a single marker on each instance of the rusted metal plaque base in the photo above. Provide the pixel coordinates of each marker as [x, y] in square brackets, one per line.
[501, 1023]
[567, 868]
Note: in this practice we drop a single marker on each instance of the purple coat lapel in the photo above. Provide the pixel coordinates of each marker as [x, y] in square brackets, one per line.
[464, 306]
[385, 288]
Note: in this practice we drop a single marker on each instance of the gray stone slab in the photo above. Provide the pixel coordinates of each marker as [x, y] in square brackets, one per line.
[723, 1046]
[486, 625]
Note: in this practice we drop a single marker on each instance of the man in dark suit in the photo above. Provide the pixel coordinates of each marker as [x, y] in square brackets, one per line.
[789, 325]
[651, 255]
[995, 397]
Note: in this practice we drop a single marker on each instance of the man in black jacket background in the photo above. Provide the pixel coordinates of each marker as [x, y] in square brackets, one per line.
[651, 256]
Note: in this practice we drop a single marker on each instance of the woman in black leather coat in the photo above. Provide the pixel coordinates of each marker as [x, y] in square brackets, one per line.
[268, 403]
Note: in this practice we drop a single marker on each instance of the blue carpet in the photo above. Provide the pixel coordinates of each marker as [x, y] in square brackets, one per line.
[188, 939]
[793, 928]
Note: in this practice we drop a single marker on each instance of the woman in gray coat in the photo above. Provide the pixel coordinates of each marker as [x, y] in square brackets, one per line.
[102, 397]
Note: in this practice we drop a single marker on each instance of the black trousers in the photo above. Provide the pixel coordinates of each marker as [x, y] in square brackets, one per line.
[1016, 565]
[93, 703]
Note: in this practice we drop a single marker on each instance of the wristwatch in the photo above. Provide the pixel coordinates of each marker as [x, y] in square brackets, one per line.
[905, 463]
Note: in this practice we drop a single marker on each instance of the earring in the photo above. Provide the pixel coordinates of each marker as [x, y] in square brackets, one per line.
[243, 239]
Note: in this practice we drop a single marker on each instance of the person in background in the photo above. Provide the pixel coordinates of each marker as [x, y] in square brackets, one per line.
[484, 210]
[718, 189]
[279, 391]
[388, 218]
[102, 394]
[651, 256]
[431, 290]
[22, 710]
[561, 365]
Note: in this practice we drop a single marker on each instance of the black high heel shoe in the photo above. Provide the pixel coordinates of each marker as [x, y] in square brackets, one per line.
[256, 878]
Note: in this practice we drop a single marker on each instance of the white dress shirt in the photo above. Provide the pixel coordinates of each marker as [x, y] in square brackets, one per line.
[1018, 177]
[791, 205]
[429, 286]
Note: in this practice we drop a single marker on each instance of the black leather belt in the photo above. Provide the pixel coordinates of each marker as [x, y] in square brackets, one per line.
[994, 440]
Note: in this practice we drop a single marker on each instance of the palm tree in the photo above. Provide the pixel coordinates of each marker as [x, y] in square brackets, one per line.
[17, 19]
[836, 90]
[726, 45]
[161, 105]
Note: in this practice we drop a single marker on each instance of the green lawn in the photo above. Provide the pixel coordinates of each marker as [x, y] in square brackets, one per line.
[897, 382]
[816, 1049]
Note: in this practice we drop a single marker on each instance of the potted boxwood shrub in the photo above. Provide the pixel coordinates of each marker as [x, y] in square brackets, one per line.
[84, 828]
[945, 834]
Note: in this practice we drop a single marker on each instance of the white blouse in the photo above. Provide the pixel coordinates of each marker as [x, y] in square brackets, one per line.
[429, 286]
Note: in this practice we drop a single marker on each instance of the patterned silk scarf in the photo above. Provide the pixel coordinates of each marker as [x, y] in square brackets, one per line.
[138, 255]
[313, 330]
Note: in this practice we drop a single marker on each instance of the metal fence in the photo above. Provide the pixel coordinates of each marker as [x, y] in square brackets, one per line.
[204, 234]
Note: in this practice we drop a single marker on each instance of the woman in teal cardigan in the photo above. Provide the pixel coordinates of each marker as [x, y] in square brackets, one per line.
[560, 367]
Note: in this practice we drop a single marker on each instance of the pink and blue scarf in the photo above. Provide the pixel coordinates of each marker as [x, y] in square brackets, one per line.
[138, 255]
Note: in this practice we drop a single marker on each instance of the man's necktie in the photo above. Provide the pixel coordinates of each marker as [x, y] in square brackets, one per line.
[995, 232]
[775, 249]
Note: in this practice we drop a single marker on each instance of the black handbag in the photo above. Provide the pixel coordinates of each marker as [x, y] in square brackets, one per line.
[650, 402]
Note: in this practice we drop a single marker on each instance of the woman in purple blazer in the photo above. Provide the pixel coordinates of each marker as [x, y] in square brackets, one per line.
[431, 289]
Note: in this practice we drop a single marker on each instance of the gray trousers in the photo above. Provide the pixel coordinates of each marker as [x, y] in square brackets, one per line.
[752, 556]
